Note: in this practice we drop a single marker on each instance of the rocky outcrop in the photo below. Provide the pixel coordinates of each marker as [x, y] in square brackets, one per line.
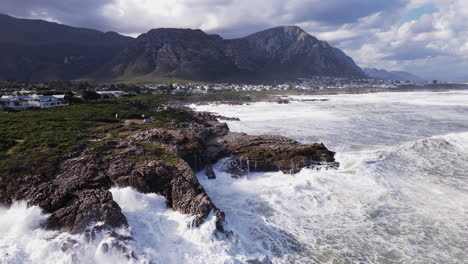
[201, 147]
[162, 161]
[77, 196]
[79, 193]
[209, 172]
[273, 153]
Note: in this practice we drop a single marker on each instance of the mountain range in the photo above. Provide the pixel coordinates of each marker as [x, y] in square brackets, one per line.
[391, 75]
[41, 50]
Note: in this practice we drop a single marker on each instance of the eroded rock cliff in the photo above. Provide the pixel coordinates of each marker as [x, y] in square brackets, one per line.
[161, 160]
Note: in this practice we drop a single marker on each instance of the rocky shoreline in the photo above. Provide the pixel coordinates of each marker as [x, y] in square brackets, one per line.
[160, 160]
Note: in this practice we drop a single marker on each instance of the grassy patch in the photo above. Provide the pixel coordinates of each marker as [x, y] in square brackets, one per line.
[153, 152]
[33, 141]
[223, 97]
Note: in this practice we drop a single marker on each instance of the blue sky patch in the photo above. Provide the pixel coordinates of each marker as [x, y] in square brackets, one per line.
[416, 13]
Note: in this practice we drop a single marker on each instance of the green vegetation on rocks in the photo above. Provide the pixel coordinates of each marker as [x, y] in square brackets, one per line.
[35, 140]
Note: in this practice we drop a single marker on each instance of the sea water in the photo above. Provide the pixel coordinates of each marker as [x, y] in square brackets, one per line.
[400, 194]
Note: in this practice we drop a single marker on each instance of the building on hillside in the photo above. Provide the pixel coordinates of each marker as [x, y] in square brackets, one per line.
[117, 94]
[33, 101]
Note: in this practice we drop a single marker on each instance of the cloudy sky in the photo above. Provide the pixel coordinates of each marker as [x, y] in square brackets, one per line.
[425, 37]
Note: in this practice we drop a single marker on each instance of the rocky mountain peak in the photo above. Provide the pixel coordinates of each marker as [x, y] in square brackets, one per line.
[284, 39]
[176, 34]
[290, 30]
[290, 33]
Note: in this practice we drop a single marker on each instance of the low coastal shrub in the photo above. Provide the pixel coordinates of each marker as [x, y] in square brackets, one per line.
[34, 141]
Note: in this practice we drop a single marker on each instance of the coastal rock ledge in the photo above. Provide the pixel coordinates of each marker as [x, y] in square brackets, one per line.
[161, 160]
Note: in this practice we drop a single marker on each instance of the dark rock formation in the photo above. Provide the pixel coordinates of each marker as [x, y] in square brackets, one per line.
[78, 195]
[282, 101]
[311, 100]
[161, 161]
[189, 197]
[209, 172]
[273, 153]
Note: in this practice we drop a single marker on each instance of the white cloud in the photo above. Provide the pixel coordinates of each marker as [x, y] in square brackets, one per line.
[433, 46]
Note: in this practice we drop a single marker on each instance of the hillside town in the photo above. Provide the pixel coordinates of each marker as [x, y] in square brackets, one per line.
[27, 95]
[305, 84]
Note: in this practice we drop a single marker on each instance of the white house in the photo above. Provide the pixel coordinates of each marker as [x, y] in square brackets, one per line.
[33, 101]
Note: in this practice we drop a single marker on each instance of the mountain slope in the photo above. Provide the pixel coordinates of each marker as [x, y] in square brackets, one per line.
[182, 53]
[391, 75]
[40, 50]
[278, 53]
[290, 51]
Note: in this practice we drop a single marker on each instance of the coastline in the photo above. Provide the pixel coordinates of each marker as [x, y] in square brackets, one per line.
[161, 157]
[273, 95]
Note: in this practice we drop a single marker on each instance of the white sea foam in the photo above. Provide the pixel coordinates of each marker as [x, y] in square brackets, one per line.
[399, 195]
[164, 236]
[384, 206]
[23, 240]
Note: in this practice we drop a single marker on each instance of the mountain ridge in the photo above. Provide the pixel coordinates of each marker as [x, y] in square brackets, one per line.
[284, 52]
[391, 75]
[41, 50]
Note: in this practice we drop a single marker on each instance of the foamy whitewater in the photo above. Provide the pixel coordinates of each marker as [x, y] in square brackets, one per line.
[399, 196]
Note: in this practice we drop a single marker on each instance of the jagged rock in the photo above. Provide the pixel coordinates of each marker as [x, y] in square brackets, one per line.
[265, 260]
[248, 153]
[207, 116]
[209, 172]
[273, 153]
[85, 207]
[228, 118]
[153, 176]
[312, 100]
[188, 195]
[104, 248]
[76, 197]
[282, 101]
[68, 244]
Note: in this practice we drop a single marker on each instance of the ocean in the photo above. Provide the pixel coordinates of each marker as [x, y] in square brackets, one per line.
[400, 194]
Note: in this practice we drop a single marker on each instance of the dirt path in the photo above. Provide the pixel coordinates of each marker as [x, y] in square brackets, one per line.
[134, 121]
[11, 149]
